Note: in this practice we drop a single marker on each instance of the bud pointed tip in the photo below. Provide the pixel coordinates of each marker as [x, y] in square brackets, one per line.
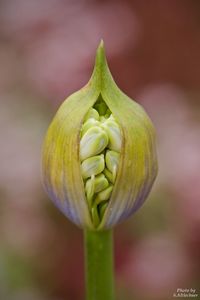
[101, 44]
[101, 48]
[100, 54]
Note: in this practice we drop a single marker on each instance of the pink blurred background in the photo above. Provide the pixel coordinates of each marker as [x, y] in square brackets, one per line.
[47, 51]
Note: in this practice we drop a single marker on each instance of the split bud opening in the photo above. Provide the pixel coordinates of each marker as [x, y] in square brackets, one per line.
[100, 147]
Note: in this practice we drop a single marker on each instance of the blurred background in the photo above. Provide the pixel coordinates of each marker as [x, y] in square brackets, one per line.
[47, 51]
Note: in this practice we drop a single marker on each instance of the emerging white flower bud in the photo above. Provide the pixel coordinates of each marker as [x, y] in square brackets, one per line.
[92, 166]
[93, 142]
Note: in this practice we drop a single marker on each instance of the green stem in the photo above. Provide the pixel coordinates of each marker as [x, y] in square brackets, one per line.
[99, 265]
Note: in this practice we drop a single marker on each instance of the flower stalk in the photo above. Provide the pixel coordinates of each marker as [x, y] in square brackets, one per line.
[99, 274]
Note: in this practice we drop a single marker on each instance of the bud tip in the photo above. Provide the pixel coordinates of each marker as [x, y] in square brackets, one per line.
[101, 43]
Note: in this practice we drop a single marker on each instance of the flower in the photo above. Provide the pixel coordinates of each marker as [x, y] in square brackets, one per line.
[99, 156]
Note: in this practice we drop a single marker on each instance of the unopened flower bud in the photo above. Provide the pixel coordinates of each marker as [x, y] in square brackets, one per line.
[108, 175]
[92, 166]
[114, 133]
[99, 154]
[93, 142]
[92, 114]
[99, 182]
[112, 162]
[104, 195]
[89, 124]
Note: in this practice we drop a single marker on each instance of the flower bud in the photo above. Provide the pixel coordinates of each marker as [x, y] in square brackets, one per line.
[92, 166]
[99, 157]
[109, 175]
[112, 162]
[92, 114]
[93, 142]
[114, 134]
[99, 183]
[104, 195]
[89, 124]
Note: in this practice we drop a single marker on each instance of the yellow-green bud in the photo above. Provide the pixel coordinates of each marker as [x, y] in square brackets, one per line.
[95, 185]
[92, 114]
[114, 133]
[99, 182]
[98, 189]
[104, 195]
[112, 162]
[93, 142]
[99, 156]
[88, 124]
[92, 166]
[109, 175]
